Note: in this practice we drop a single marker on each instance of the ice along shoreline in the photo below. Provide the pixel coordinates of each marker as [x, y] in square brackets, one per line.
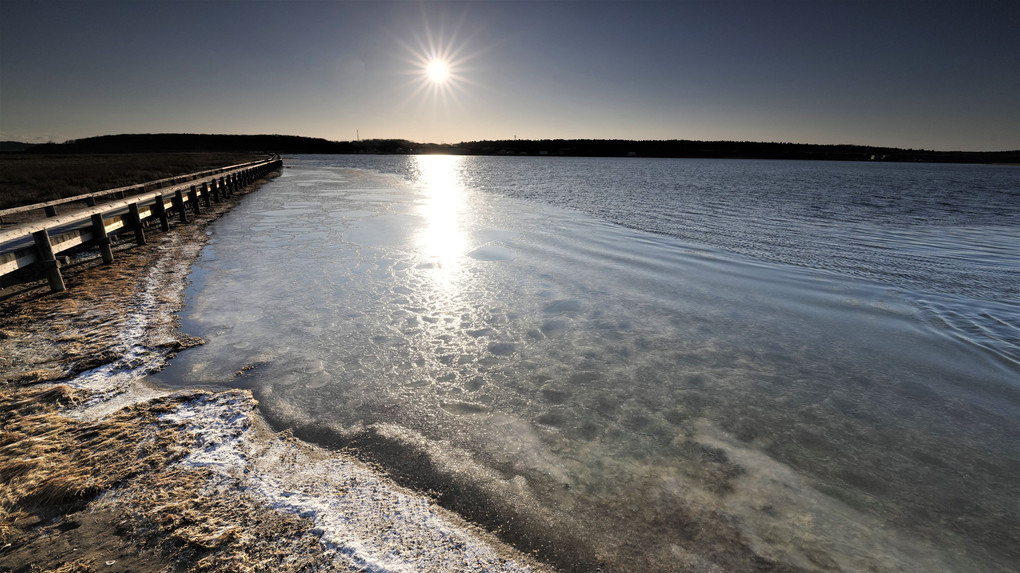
[188, 479]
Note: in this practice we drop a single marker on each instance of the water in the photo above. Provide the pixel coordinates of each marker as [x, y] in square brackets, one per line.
[644, 365]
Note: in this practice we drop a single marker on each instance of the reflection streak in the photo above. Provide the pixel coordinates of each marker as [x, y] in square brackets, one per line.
[442, 239]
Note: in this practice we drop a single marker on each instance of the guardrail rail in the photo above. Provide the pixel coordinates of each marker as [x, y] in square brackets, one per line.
[38, 245]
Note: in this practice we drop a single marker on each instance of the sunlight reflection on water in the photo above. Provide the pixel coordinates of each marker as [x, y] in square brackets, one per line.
[442, 237]
[607, 388]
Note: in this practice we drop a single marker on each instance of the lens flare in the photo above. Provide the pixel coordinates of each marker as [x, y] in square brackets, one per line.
[437, 71]
[439, 65]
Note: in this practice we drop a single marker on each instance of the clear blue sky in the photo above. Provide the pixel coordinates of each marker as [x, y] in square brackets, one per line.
[905, 73]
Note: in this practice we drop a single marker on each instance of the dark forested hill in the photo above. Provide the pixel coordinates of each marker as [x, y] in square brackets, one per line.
[289, 144]
[188, 142]
[729, 149]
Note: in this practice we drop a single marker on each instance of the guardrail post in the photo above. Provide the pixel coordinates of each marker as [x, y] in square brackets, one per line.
[193, 197]
[215, 192]
[90, 201]
[101, 238]
[51, 211]
[179, 205]
[205, 195]
[159, 209]
[136, 223]
[48, 262]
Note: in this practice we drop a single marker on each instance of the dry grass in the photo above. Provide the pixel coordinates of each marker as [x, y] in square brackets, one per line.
[52, 464]
[220, 532]
[49, 337]
[78, 494]
[27, 179]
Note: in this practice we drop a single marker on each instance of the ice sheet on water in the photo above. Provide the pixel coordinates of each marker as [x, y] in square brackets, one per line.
[115, 385]
[366, 520]
[493, 253]
[585, 371]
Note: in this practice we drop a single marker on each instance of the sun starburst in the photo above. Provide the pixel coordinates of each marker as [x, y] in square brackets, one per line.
[437, 71]
[439, 66]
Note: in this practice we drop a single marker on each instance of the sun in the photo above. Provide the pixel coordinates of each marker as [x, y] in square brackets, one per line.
[439, 65]
[437, 71]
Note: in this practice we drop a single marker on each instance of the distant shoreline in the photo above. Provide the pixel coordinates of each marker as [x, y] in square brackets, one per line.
[287, 144]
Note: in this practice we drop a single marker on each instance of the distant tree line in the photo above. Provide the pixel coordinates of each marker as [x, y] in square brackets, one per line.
[290, 144]
[190, 142]
[726, 149]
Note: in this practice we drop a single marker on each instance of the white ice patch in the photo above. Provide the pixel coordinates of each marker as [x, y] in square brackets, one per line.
[365, 521]
[113, 386]
[493, 253]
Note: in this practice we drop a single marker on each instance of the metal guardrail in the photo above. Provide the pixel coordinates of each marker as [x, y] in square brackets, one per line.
[50, 206]
[38, 244]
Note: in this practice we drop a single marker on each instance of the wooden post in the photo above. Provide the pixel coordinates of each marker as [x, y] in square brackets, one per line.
[216, 191]
[136, 223]
[101, 238]
[48, 262]
[90, 201]
[179, 204]
[159, 209]
[193, 197]
[205, 195]
[51, 211]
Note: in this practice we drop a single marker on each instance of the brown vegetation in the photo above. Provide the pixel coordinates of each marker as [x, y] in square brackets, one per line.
[52, 464]
[112, 490]
[31, 178]
[48, 337]
[55, 468]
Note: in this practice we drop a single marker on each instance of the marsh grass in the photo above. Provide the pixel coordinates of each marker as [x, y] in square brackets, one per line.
[52, 464]
[27, 178]
[217, 527]
[74, 493]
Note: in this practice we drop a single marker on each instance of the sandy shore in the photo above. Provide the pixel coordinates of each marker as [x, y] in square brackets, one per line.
[103, 472]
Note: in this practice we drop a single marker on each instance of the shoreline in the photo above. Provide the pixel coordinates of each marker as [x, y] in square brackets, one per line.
[107, 471]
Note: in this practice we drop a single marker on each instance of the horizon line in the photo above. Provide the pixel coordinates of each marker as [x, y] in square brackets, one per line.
[517, 140]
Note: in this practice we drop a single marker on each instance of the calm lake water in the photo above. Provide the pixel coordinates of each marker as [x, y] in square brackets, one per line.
[645, 365]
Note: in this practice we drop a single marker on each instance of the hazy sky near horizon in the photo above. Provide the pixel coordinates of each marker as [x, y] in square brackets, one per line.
[906, 73]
